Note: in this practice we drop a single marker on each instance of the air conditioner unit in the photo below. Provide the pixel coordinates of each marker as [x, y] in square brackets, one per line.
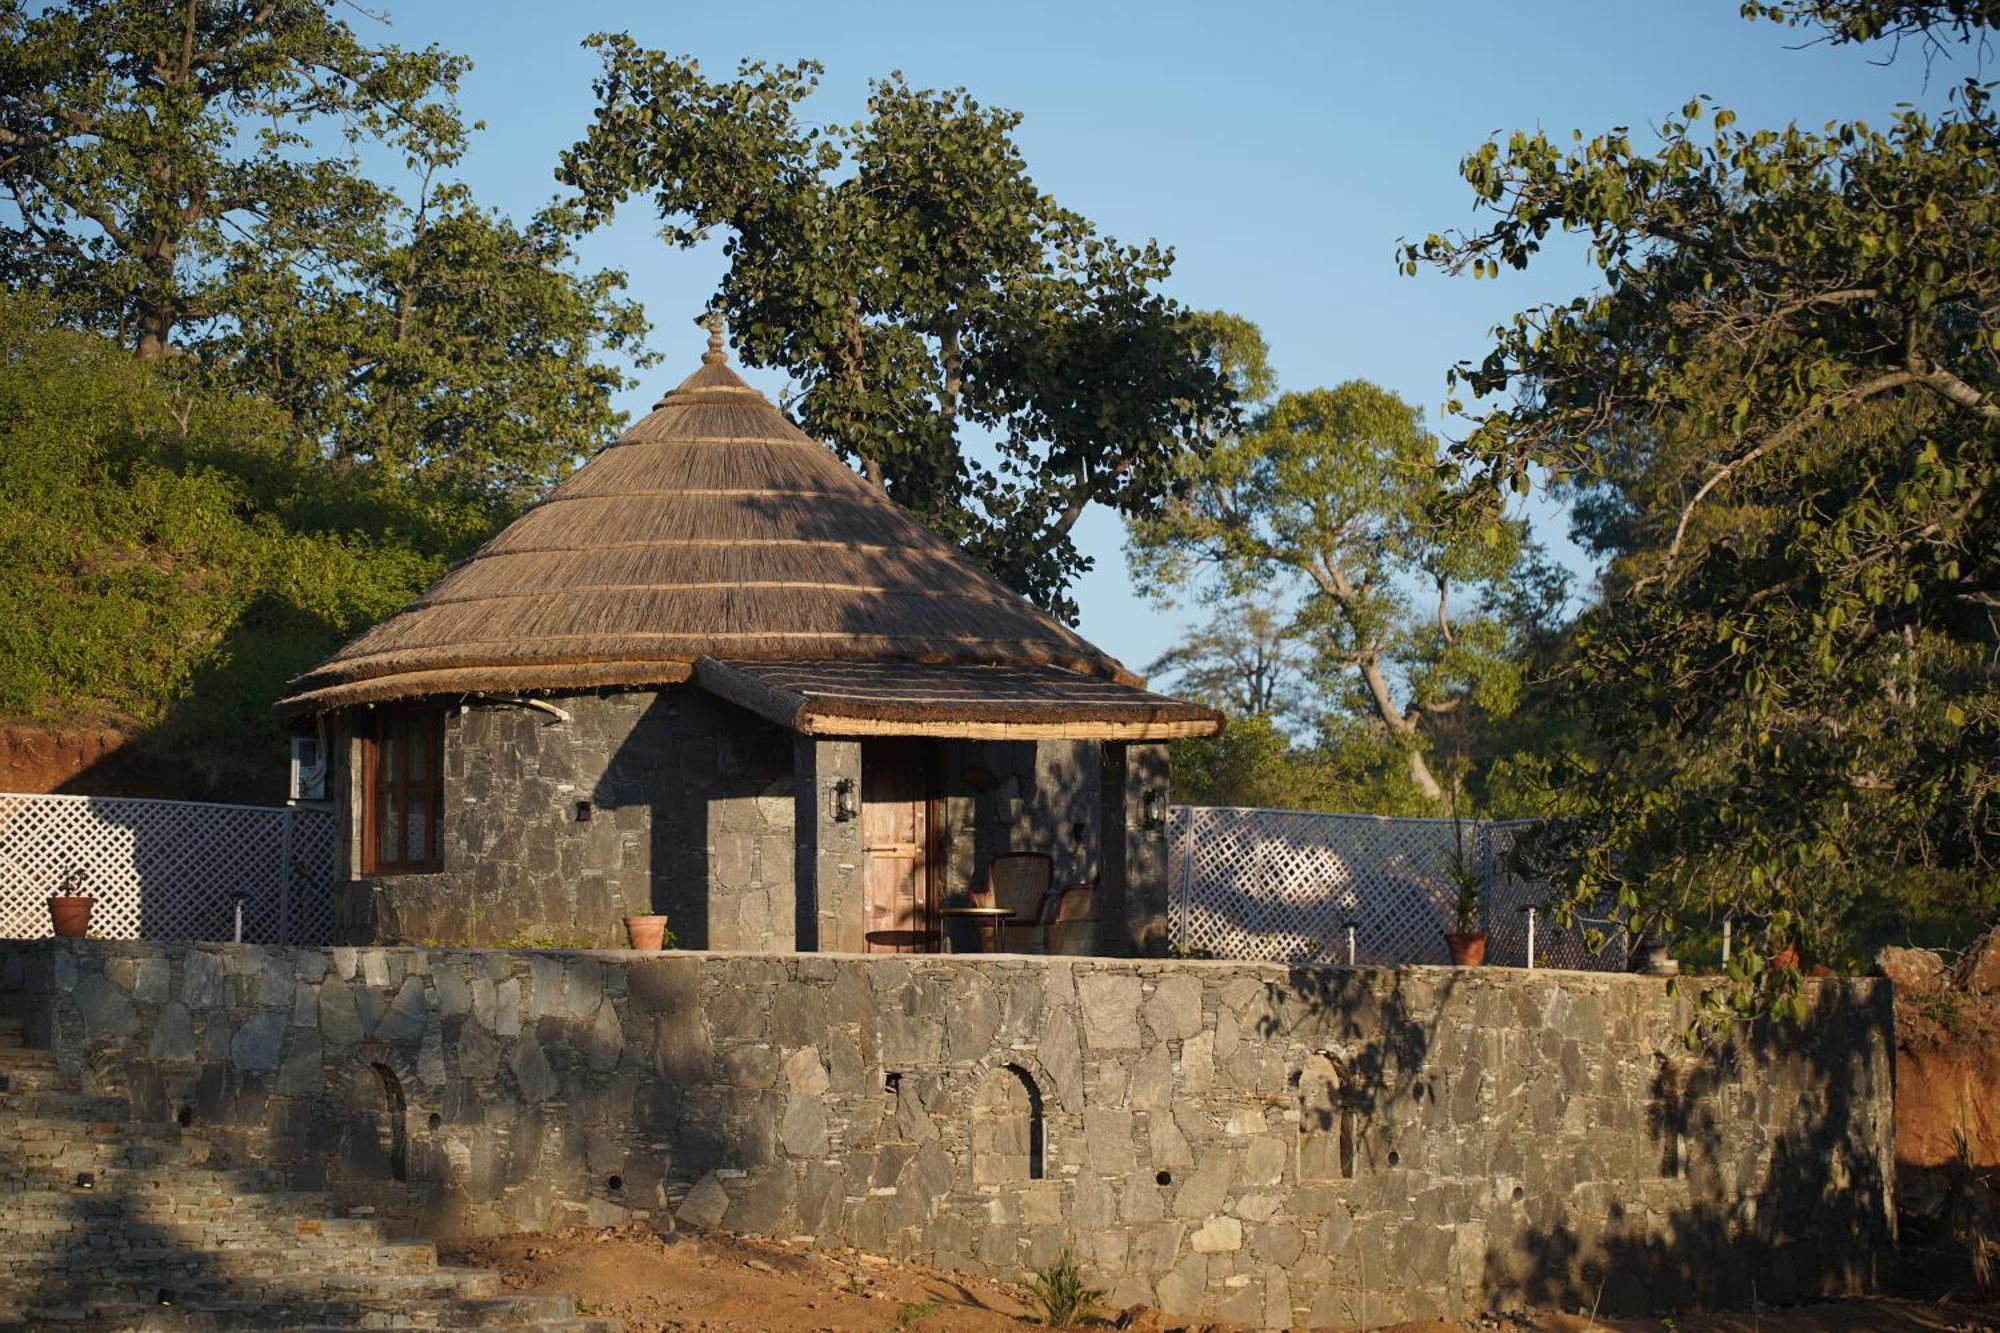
[308, 769]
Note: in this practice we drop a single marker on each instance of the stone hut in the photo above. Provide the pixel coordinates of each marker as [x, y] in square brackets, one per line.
[718, 675]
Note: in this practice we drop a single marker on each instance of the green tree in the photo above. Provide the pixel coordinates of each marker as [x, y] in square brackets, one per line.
[1336, 496]
[166, 184]
[1247, 661]
[1780, 411]
[974, 348]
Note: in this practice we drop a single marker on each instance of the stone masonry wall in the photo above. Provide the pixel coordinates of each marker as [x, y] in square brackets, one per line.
[1324, 1146]
[689, 813]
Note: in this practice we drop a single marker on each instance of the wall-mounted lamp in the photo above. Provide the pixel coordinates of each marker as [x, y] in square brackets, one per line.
[842, 805]
[1153, 807]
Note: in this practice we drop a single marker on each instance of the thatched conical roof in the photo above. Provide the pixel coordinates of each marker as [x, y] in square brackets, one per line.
[714, 527]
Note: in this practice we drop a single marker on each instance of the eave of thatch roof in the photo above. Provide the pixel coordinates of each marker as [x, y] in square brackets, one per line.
[850, 698]
[713, 528]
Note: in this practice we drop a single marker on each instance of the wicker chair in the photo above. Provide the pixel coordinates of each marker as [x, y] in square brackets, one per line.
[1020, 882]
[1069, 920]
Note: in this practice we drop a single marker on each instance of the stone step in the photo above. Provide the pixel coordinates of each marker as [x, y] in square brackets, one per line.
[30, 1108]
[246, 1229]
[291, 1311]
[40, 1076]
[27, 1057]
[46, 1136]
[307, 1207]
[302, 1286]
[156, 1264]
[99, 1233]
[142, 1167]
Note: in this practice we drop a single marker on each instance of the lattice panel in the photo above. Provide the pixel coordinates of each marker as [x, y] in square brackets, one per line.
[1283, 884]
[168, 870]
[1507, 920]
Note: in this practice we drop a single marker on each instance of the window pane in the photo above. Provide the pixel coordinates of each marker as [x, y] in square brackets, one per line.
[417, 823]
[417, 743]
[386, 774]
[388, 831]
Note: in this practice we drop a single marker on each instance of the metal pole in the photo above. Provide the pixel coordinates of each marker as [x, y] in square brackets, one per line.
[239, 916]
[1530, 910]
[1350, 942]
[1725, 941]
[285, 881]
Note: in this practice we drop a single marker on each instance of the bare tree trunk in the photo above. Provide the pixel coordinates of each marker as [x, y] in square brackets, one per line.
[1400, 724]
[156, 330]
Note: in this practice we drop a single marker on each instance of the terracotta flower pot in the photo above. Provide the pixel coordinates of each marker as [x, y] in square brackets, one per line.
[1786, 959]
[647, 933]
[1468, 948]
[70, 915]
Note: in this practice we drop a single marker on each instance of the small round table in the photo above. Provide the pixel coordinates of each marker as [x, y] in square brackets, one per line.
[990, 920]
[901, 941]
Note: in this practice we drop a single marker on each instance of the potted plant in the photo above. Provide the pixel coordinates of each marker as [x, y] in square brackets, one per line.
[69, 906]
[1466, 940]
[649, 934]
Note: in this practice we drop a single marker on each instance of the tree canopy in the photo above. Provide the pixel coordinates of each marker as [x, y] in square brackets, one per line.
[972, 346]
[1335, 497]
[169, 184]
[1780, 414]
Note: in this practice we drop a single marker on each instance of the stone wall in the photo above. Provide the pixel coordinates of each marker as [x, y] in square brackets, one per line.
[674, 801]
[555, 830]
[1326, 1146]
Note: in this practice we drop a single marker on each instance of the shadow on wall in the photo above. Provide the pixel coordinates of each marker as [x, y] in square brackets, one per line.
[1737, 1247]
[1786, 1171]
[1737, 1251]
[716, 783]
[124, 1212]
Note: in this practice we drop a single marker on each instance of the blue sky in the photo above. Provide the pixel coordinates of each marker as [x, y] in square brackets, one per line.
[1281, 149]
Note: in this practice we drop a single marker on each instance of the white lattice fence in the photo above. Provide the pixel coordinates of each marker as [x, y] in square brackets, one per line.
[1507, 901]
[1285, 884]
[168, 870]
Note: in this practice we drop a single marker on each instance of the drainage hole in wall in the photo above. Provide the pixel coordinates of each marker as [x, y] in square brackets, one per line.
[615, 1183]
[1519, 1194]
[184, 1117]
[1416, 1092]
[583, 812]
[1395, 1159]
[1164, 1178]
[84, 1180]
[436, 1121]
[166, 1296]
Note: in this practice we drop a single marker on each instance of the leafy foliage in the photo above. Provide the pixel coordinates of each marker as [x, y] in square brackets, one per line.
[1335, 497]
[169, 556]
[1248, 661]
[1779, 412]
[1061, 1292]
[166, 186]
[908, 274]
[1254, 762]
[1936, 21]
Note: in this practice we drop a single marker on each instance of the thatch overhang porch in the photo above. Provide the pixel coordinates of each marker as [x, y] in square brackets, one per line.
[912, 779]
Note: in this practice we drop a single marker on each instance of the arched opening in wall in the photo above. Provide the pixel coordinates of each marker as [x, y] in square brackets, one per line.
[1007, 1128]
[392, 1122]
[1327, 1120]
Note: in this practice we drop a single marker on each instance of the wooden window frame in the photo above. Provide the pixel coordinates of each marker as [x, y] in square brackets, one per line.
[403, 725]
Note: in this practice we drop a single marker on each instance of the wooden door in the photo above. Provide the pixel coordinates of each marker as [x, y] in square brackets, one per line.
[898, 839]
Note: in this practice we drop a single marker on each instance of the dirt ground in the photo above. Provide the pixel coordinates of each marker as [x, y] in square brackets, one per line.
[736, 1284]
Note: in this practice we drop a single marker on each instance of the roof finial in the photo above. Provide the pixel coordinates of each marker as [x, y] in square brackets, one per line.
[715, 355]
